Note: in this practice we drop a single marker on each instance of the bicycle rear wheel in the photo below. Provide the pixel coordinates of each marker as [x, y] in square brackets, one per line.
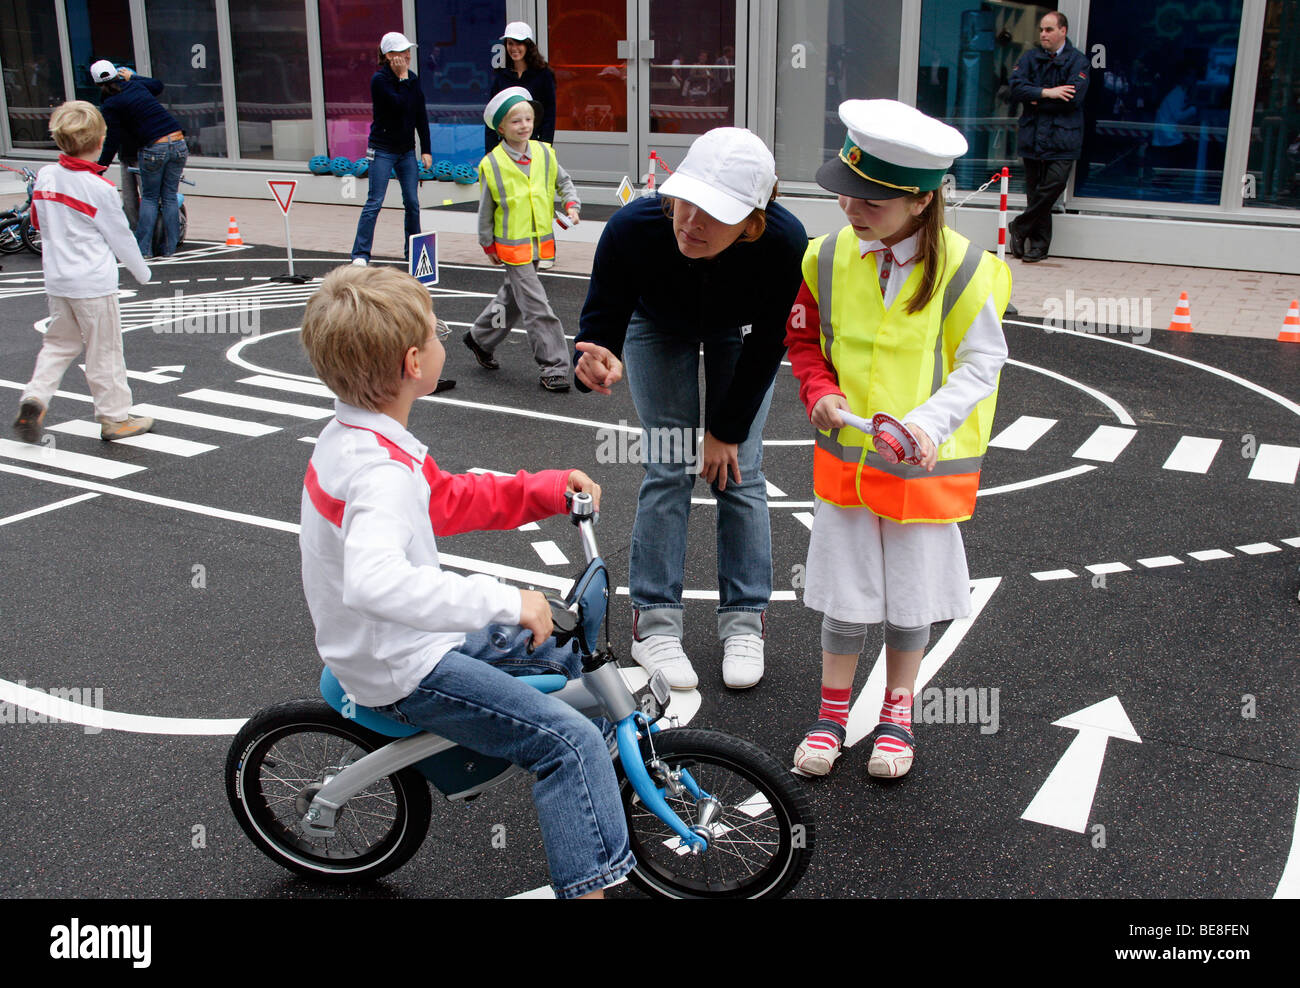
[278, 762]
[760, 840]
[31, 236]
[11, 238]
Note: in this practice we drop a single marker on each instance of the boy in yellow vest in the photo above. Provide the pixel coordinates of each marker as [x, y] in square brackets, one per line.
[521, 180]
[898, 314]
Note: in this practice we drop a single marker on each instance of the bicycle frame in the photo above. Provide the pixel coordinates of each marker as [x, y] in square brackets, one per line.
[601, 690]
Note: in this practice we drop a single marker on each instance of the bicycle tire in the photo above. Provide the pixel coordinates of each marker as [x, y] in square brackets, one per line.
[31, 236]
[268, 802]
[11, 237]
[728, 768]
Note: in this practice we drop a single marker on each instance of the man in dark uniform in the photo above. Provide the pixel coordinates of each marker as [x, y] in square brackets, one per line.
[1050, 82]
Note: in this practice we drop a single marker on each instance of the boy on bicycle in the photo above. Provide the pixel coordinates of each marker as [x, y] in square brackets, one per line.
[399, 632]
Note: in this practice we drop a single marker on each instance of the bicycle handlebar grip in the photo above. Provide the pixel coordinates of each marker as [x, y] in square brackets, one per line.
[564, 621]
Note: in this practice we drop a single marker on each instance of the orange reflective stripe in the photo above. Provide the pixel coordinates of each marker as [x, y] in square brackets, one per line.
[932, 499]
[515, 253]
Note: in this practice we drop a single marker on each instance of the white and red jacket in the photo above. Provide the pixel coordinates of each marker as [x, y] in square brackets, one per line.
[372, 502]
[79, 214]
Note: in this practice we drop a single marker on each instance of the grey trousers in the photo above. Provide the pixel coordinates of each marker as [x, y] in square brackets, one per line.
[523, 299]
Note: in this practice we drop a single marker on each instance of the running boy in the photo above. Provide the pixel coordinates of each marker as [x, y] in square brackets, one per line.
[521, 180]
[915, 331]
[82, 227]
[401, 633]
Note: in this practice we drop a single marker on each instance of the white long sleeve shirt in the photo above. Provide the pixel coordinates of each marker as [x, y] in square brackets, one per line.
[83, 231]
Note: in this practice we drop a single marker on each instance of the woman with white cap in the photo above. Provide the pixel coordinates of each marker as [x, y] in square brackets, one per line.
[914, 330]
[525, 66]
[712, 260]
[399, 118]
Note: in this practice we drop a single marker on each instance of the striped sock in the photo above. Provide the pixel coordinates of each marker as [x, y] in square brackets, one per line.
[897, 709]
[835, 706]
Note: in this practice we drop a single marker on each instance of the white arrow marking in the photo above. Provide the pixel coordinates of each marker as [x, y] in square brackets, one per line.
[1065, 799]
[158, 375]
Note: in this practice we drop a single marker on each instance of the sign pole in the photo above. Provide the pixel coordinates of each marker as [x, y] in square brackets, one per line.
[283, 191]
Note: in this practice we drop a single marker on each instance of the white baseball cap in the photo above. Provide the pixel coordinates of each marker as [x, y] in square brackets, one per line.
[394, 41]
[728, 172]
[518, 31]
[103, 70]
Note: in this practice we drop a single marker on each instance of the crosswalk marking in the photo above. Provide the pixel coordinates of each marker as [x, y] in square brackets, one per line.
[1276, 463]
[150, 440]
[285, 384]
[259, 404]
[1055, 574]
[805, 519]
[1105, 444]
[1022, 433]
[1293, 542]
[1205, 555]
[1155, 562]
[50, 456]
[551, 553]
[202, 420]
[1101, 569]
[1258, 548]
[1193, 454]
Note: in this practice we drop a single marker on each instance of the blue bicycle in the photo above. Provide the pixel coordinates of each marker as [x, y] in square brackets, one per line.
[16, 229]
[340, 793]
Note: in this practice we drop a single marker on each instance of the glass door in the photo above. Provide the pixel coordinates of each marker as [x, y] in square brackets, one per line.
[633, 76]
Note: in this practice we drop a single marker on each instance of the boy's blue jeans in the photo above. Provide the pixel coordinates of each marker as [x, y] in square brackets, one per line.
[471, 697]
[663, 376]
[383, 166]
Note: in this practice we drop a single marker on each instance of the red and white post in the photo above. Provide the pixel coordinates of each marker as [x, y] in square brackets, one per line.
[1002, 215]
[650, 176]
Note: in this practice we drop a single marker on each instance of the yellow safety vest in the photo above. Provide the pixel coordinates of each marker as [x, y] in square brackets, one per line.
[893, 361]
[525, 204]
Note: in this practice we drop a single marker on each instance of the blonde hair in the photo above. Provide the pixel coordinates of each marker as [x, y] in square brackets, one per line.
[358, 328]
[77, 127]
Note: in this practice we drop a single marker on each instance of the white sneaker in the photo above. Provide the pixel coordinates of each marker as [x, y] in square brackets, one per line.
[742, 661]
[359, 262]
[665, 654]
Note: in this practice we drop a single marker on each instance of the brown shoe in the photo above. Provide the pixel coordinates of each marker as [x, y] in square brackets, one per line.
[30, 423]
[130, 426]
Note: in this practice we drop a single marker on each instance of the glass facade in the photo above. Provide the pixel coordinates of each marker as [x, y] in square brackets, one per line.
[692, 73]
[349, 37]
[272, 84]
[456, 41]
[185, 57]
[33, 76]
[828, 51]
[1156, 114]
[963, 78]
[98, 30]
[1273, 172]
[590, 78]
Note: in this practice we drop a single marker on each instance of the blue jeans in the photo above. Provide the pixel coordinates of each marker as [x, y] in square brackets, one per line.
[383, 165]
[471, 697]
[160, 176]
[663, 376]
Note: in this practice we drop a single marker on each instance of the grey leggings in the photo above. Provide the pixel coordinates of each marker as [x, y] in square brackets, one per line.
[848, 637]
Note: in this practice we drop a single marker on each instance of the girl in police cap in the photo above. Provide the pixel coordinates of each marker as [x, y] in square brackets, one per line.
[902, 315]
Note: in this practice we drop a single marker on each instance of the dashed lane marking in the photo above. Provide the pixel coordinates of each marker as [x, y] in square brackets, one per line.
[1193, 454]
[1105, 444]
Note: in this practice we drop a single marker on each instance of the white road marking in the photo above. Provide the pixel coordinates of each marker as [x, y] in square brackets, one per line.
[1292, 542]
[1116, 408]
[1101, 569]
[1258, 548]
[1193, 454]
[307, 439]
[150, 440]
[95, 719]
[284, 384]
[550, 553]
[50, 456]
[49, 507]
[269, 405]
[1022, 433]
[1105, 444]
[202, 420]
[1288, 886]
[1276, 463]
[531, 526]
[1155, 562]
[773, 490]
[1034, 482]
[777, 595]
[1055, 574]
[805, 519]
[1205, 555]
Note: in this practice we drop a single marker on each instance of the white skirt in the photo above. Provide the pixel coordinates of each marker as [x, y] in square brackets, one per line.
[868, 569]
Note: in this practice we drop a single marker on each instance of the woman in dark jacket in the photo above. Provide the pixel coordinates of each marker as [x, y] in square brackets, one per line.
[526, 68]
[399, 118]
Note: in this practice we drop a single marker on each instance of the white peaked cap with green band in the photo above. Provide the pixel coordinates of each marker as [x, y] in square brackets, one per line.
[891, 150]
[504, 101]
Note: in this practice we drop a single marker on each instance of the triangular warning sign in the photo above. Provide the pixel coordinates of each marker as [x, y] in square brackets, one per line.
[425, 267]
[283, 190]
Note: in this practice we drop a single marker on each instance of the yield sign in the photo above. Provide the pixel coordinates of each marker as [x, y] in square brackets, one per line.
[283, 190]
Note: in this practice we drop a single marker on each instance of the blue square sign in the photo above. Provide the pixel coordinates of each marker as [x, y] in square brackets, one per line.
[422, 262]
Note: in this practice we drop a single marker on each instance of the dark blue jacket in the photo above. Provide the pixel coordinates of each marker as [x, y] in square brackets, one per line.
[747, 290]
[1050, 129]
[541, 84]
[134, 116]
[399, 113]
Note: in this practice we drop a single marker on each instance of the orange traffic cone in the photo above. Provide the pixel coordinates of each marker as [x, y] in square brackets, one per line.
[232, 238]
[1291, 325]
[1182, 321]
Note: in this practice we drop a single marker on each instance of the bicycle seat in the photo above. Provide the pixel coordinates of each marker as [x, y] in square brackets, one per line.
[331, 690]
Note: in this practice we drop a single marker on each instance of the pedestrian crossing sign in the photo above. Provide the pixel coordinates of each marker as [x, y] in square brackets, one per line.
[422, 258]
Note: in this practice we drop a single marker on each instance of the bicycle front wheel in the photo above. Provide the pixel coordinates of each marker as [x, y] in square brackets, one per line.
[11, 238]
[757, 821]
[284, 756]
[31, 236]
